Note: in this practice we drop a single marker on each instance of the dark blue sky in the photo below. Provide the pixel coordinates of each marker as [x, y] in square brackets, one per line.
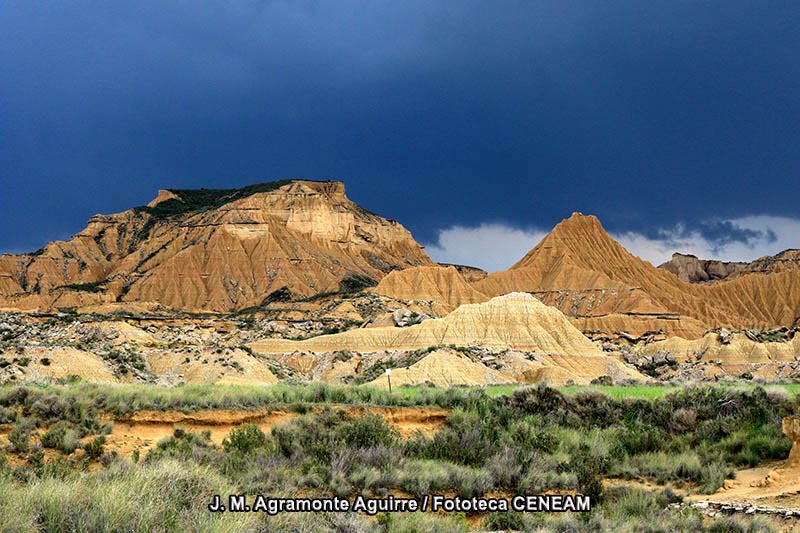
[648, 114]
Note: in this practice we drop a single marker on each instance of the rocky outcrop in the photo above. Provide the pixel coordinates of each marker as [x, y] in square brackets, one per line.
[791, 428]
[782, 262]
[693, 270]
[469, 273]
[215, 250]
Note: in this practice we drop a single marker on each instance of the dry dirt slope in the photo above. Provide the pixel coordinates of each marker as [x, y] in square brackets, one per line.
[430, 283]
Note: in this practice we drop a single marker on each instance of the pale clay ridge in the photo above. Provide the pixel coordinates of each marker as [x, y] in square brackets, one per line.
[516, 320]
[739, 350]
[50, 364]
[445, 368]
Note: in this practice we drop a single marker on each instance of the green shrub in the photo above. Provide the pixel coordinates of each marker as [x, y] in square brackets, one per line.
[244, 439]
[54, 437]
[70, 442]
[367, 431]
[713, 476]
[94, 448]
[7, 415]
[504, 521]
[19, 437]
[589, 468]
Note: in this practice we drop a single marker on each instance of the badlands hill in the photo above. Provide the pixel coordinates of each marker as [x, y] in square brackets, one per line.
[271, 245]
[442, 284]
[579, 269]
[215, 250]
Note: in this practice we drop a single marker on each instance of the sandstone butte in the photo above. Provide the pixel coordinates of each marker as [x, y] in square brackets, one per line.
[214, 250]
[579, 269]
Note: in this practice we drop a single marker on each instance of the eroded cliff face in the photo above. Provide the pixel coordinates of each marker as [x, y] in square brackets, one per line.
[690, 268]
[215, 251]
[693, 270]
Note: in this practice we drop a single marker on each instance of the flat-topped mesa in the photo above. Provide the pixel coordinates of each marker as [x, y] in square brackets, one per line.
[215, 250]
[694, 270]
[691, 269]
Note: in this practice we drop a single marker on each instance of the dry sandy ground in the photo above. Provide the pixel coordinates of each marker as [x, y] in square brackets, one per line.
[766, 485]
[142, 430]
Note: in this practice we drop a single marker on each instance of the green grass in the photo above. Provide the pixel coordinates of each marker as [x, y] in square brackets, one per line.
[793, 388]
[491, 391]
[649, 392]
[619, 392]
[127, 398]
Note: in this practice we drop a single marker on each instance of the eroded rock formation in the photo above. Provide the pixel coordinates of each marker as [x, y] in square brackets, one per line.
[215, 250]
[579, 269]
[437, 283]
[693, 270]
[791, 428]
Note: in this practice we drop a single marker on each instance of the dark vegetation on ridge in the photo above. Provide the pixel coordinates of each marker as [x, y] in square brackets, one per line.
[196, 200]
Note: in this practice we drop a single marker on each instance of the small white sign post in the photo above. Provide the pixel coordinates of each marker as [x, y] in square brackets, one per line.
[389, 378]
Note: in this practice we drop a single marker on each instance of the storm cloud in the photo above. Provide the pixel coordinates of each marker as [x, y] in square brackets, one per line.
[439, 114]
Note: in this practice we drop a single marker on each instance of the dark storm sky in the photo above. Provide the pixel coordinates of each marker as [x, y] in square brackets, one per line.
[438, 114]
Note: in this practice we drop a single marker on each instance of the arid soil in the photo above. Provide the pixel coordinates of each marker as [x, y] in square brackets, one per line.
[142, 430]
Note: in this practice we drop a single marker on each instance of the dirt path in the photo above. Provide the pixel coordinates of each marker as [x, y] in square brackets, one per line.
[765, 485]
[142, 430]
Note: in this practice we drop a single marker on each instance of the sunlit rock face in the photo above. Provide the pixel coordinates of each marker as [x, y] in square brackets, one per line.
[209, 250]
